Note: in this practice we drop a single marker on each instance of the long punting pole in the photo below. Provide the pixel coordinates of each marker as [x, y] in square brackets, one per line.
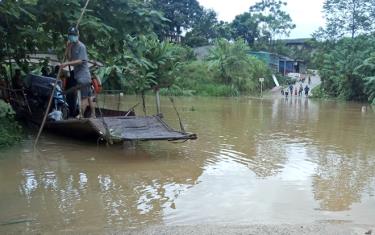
[55, 84]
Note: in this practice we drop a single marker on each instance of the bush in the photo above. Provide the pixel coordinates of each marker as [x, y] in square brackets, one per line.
[195, 78]
[339, 68]
[285, 80]
[366, 71]
[318, 92]
[10, 131]
[232, 65]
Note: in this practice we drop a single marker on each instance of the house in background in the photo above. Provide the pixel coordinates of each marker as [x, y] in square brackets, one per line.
[279, 63]
[299, 43]
[271, 59]
[288, 65]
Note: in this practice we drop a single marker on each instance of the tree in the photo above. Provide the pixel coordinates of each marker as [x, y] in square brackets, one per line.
[366, 71]
[337, 63]
[17, 31]
[264, 21]
[224, 30]
[274, 21]
[108, 22]
[346, 17]
[247, 27]
[40, 25]
[182, 15]
[145, 63]
[234, 66]
[203, 31]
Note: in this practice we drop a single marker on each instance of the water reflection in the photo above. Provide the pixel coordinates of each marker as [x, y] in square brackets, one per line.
[256, 161]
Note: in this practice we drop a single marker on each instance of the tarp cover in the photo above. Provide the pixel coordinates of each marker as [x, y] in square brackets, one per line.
[139, 128]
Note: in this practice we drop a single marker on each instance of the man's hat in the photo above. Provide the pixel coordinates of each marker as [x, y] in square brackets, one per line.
[73, 31]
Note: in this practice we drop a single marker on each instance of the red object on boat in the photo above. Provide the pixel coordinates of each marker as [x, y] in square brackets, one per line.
[96, 84]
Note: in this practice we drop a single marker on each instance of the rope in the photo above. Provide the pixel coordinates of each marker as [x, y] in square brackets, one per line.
[131, 109]
[108, 133]
[55, 84]
[178, 115]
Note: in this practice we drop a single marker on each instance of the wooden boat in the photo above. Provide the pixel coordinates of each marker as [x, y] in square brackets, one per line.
[112, 126]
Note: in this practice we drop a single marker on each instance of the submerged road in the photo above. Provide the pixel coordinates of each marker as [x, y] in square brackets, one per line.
[315, 81]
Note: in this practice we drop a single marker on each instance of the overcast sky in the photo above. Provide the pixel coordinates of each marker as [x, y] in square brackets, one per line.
[306, 14]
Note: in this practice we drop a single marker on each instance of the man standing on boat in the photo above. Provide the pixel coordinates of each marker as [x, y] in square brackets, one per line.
[77, 57]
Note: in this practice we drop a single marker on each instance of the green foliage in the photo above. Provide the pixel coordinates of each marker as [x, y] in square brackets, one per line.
[205, 30]
[10, 131]
[16, 30]
[274, 21]
[263, 22]
[27, 26]
[228, 71]
[247, 27]
[232, 65]
[145, 63]
[370, 88]
[195, 78]
[346, 65]
[366, 71]
[345, 18]
[284, 80]
[318, 92]
[339, 71]
[122, 34]
[182, 15]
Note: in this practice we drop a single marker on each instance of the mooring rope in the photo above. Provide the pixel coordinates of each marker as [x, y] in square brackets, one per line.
[108, 138]
[178, 115]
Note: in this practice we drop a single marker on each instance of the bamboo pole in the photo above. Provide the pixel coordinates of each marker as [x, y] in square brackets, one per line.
[55, 84]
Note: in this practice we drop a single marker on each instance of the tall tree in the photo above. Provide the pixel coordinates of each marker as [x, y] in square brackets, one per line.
[247, 27]
[346, 17]
[224, 30]
[182, 14]
[18, 30]
[274, 21]
[264, 21]
[39, 25]
[203, 31]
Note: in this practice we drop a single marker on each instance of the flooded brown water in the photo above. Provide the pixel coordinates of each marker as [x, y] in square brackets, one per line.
[255, 162]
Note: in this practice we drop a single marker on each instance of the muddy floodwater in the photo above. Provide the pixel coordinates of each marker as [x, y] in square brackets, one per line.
[271, 161]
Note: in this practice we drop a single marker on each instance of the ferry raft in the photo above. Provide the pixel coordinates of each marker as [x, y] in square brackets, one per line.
[112, 126]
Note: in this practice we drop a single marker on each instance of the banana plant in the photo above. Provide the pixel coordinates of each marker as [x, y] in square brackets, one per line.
[367, 72]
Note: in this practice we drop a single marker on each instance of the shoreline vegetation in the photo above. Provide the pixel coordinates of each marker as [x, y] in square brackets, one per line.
[144, 48]
[10, 131]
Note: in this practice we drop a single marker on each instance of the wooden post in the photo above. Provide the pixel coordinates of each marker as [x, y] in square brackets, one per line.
[119, 101]
[157, 96]
[261, 80]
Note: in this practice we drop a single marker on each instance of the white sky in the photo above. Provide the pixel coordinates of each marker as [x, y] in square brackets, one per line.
[306, 14]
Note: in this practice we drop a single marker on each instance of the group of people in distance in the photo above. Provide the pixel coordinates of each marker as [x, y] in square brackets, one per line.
[296, 90]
